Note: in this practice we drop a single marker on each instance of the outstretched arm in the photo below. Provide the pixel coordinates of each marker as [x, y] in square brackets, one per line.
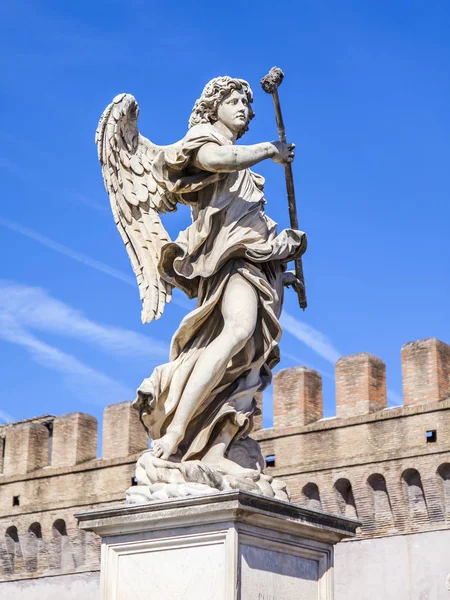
[226, 159]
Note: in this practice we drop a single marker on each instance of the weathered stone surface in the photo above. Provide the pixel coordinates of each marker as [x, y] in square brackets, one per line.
[216, 547]
[62, 587]
[415, 568]
[159, 480]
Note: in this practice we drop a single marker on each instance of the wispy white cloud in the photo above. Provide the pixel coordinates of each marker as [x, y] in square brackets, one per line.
[6, 417]
[24, 309]
[300, 362]
[41, 160]
[178, 298]
[35, 308]
[294, 359]
[95, 387]
[62, 249]
[323, 346]
[102, 208]
[82, 258]
[314, 339]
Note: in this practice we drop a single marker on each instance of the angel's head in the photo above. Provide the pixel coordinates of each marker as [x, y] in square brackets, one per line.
[225, 99]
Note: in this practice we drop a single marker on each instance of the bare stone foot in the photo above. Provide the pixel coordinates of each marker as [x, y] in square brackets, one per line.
[166, 446]
[228, 466]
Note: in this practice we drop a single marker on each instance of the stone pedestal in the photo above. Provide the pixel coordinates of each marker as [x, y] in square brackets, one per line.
[227, 546]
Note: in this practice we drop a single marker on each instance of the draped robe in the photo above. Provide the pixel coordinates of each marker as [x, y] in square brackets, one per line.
[230, 233]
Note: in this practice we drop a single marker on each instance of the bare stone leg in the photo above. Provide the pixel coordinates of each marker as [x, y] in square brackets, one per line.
[215, 457]
[239, 311]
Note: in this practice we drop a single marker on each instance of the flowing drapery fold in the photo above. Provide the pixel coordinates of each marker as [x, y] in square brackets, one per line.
[230, 234]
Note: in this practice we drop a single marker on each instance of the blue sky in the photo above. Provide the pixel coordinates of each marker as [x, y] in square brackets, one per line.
[365, 99]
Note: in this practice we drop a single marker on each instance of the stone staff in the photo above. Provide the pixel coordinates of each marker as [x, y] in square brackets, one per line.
[270, 84]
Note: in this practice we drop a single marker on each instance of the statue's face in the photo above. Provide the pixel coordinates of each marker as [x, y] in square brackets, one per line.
[233, 111]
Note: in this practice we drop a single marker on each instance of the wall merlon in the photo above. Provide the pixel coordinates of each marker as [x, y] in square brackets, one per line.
[74, 439]
[123, 433]
[26, 448]
[426, 371]
[360, 385]
[297, 397]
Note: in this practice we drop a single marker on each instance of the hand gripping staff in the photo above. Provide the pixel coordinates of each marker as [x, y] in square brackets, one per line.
[270, 84]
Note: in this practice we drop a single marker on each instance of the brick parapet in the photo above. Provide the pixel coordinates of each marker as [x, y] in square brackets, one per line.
[95, 481]
[91, 465]
[334, 422]
[285, 471]
[357, 440]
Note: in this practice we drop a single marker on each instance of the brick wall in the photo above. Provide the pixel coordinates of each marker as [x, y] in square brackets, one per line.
[50, 472]
[390, 468]
[369, 462]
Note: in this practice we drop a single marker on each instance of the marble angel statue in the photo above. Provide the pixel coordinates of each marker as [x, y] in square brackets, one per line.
[199, 406]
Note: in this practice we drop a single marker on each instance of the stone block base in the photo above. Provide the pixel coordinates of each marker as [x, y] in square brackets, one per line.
[229, 546]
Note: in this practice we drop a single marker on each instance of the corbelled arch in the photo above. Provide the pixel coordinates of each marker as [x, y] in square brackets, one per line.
[311, 496]
[345, 499]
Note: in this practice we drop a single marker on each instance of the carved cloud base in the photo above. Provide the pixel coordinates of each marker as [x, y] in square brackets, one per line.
[229, 546]
[160, 480]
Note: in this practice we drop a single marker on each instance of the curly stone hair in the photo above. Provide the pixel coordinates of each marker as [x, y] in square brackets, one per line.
[205, 108]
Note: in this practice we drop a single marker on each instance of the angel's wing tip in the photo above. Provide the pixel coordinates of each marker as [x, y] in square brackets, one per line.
[148, 318]
[159, 314]
[121, 96]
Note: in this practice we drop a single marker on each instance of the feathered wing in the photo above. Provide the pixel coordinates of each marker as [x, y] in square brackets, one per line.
[136, 198]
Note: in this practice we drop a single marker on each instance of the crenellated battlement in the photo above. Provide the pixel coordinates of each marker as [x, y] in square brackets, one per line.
[69, 440]
[390, 467]
[49, 469]
[361, 385]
